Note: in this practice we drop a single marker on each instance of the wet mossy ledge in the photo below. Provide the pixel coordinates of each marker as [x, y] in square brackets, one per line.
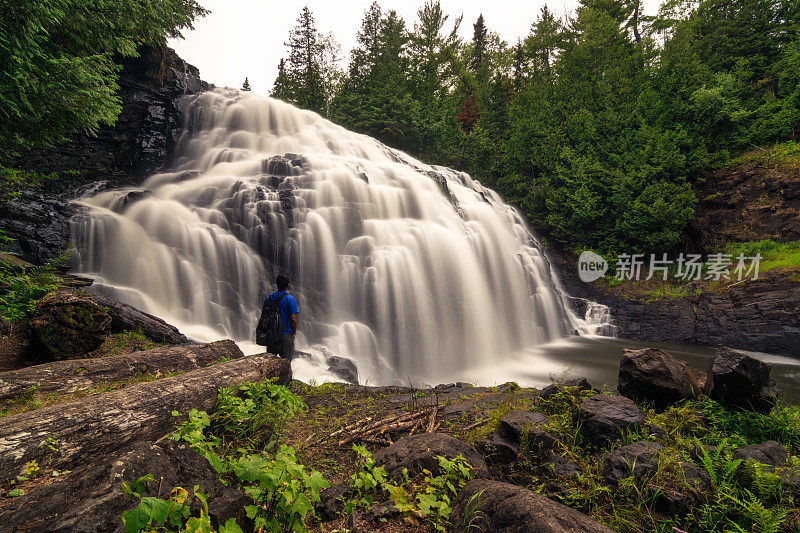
[111, 420]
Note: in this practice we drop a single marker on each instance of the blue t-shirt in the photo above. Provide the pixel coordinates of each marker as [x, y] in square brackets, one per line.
[287, 307]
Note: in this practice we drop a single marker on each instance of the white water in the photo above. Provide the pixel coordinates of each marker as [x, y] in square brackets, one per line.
[412, 271]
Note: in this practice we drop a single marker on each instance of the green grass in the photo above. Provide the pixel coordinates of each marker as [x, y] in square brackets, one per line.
[782, 154]
[773, 254]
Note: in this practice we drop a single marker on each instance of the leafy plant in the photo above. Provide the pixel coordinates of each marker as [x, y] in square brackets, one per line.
[284, 491]
[437, 493]
[154, 514]
[21, 289]
[250, 419]
[367, 480]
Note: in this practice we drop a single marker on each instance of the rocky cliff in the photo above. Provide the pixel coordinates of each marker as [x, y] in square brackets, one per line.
[138, 144]
[761, 315]
[757, 199]
[754, 199]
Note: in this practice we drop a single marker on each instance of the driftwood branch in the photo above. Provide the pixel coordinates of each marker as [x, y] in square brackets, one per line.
[376, 430]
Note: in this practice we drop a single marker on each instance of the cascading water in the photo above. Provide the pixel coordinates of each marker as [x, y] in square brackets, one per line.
[412, 271]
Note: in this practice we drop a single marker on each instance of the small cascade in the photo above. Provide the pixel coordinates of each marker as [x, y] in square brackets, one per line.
[410, 270]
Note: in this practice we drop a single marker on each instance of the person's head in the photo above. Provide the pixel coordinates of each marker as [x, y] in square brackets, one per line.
[282, 281]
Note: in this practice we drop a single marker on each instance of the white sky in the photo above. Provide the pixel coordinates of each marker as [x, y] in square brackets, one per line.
[245, 37]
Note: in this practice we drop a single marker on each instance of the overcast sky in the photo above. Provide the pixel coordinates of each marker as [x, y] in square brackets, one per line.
[245, 37]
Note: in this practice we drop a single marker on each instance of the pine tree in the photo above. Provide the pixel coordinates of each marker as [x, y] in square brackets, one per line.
[304, 69]
[246, 84]
[477, 62]
[364, 56]
[433, 53]
[282, 88]
[544, 43]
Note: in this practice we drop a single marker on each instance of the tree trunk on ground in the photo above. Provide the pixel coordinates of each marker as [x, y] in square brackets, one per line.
[71, 433]
[66, 377]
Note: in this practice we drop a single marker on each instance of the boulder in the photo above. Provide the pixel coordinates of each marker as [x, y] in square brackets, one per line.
[67, 324]
[638, 460]
[581, 384]
[770, 453]
[91, 500]
[418, 452]
[497, 449]
[386, 510]
[658, 432]
[561, 467]
[655, 376]
[497, 507]
[125, 317]
[694, 484]
[515, 424]
[603, 418]
[741, 381]
[331, 500]
[70, 322]
[344, 369]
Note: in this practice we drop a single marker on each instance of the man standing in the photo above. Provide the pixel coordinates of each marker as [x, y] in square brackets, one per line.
[287, 309]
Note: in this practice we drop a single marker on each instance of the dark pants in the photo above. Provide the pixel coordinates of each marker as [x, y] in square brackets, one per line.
[285, 347]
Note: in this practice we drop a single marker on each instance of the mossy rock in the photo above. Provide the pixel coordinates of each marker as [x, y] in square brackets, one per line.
[67, 324]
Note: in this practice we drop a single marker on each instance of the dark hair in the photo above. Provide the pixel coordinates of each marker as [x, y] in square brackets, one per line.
[282, 281]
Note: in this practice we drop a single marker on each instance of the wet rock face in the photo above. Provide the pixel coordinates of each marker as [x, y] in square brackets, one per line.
[91, 499]
[418, 452]
[655, 376]
[494, 506]
[343, 368]
[139, 144]
[604, 418]
[749, 202]
[741, 381]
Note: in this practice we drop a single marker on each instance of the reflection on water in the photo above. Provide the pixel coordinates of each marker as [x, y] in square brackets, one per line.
[597, 359]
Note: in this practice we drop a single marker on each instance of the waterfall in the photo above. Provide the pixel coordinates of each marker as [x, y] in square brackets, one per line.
[410, 270]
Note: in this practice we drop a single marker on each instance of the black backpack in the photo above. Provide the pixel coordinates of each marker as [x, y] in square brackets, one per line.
[269, 329]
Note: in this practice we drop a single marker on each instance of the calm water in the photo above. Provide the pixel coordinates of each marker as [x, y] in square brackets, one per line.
[597, 359]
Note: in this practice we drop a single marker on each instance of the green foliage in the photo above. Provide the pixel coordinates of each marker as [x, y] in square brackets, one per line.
[238, 438]
[367, 480]
[57, 69]
[596, 126]
[252, 416]
[154, 514]
[307, 79]
[437, 493]
[21, 289]
[284, 491]
[429, 498]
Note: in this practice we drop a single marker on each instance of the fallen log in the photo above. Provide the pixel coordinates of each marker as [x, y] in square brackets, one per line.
[66, 377]
[66, 435]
